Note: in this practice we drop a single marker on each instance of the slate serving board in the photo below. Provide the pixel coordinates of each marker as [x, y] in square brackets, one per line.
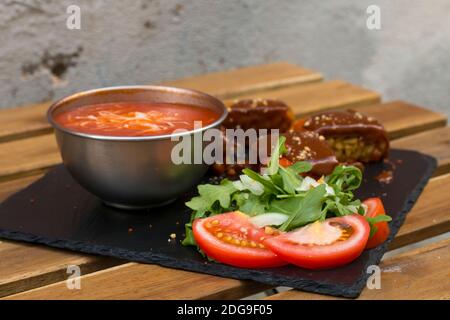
[57, 212]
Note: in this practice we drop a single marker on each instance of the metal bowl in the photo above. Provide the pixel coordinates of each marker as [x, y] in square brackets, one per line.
[131, 172]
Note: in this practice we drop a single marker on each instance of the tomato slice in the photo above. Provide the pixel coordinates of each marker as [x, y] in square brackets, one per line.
[232, 239]
[284, 162]
[375, 208]
[322, 245]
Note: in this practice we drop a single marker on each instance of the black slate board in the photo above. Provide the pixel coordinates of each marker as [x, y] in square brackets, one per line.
[57, 212]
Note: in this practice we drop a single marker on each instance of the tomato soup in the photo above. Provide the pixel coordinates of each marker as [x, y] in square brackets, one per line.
[134, 118]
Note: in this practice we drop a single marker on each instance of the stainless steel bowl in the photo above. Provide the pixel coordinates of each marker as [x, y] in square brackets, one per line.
[131, 172]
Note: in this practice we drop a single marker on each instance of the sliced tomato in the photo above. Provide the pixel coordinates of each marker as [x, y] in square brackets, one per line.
[375, 208]
[322, 245]
[284, 162]
[232, 239]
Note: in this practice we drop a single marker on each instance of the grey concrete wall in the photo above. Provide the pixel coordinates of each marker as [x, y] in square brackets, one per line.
[141, 41]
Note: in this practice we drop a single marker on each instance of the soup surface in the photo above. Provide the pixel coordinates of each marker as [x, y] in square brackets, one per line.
[134, 118]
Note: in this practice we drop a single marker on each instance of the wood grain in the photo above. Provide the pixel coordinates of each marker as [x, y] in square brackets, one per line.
[310, 98]
[27, 121]
[26, 266]
[402, 118]
[235, 82]
[28, 156]
[433, 142]
[132, 281]
[420, 274]
[430, 215]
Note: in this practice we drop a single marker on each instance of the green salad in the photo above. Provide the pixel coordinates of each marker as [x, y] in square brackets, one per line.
[281, 196]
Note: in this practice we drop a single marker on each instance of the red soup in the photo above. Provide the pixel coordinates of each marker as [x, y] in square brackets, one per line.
[134, 118]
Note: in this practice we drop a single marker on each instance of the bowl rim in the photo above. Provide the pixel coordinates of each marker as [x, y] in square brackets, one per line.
[61, 101]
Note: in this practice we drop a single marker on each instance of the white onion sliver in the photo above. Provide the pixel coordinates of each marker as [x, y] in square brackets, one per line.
[269, 219]
[254, 186]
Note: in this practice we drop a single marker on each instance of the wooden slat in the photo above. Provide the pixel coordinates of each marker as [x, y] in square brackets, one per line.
[314, 97]
[35, 154]
[428, 218]
[417, 274]
[232, 83]
[27, 121]
[28, 156]
[131, 281]
[402, 118]
[433, 142]
[23, 122]
[24, 266]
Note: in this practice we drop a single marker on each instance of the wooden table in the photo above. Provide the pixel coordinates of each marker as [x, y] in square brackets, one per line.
[28, 150]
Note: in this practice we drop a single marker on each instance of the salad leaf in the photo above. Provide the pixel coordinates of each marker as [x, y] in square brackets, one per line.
[374, 220]
[210, 193]
[189, 237]
[274, 162]
[346, 178]
[291, 180]
[250, 204]
[268, 184]
[282, 190]
[300, 167]
[309, 210]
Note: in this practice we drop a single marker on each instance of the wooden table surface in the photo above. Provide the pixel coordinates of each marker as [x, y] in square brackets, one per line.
[28, 149]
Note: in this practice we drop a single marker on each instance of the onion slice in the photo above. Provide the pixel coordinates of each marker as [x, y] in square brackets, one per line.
[269, 219]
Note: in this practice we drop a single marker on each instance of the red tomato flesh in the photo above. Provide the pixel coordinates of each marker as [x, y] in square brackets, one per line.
[230, 238]
[375, 208]
[323, 245]
[284, 162]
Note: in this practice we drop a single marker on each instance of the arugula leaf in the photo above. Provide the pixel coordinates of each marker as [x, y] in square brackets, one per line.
[289, 206]
[291, 180]
[274, 163]
[300, 167]
[268, 184]
[374, 220]
[250, 204]
[379, 218]
[189, 235]
[346, 178]
[309, 210]
[210, 193]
